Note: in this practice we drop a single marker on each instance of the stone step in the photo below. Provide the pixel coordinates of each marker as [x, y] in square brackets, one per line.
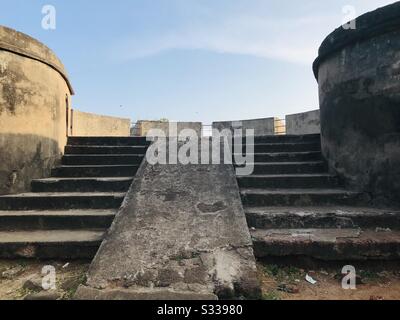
[280, 147]
[327, 244]
[95, 159]
[112, 150]
[95, 171]
[287, 138]
[56, 220]
[322, 217]
[54, 201]
[98, 184]
[108, 141]
[301, 197]
[287, 156]
[277, 168]
[50, 244]
[289, 181]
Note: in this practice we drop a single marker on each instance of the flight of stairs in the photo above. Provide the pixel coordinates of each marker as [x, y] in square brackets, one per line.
[294, 207]
[67, 215]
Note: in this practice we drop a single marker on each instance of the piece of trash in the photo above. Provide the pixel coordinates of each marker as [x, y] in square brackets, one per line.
[253, 229]
[65, 266]
[377, 230]
[297, 280]
[310, 280]
[376, 298]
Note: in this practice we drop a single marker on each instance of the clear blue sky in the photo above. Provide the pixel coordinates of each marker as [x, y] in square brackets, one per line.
[192, 60]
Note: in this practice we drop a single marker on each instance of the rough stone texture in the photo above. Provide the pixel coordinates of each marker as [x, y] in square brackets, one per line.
[358, 73]
[181, 233]
[34, 91]
[328, 244]
[322, 217]
[34, 283]
[46, 244]
[44, 296]
[303, 123]
[143, 127]
[261, 126]
[92, 125]
[88, 293]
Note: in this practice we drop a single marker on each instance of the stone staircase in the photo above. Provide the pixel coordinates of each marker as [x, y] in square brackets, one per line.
[67, 215]
[295, 208]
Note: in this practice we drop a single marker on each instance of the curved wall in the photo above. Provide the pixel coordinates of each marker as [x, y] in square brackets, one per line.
[34, 110]
[358, 72]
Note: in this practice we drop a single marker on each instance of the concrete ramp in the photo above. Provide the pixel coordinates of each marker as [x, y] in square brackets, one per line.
[181, 234]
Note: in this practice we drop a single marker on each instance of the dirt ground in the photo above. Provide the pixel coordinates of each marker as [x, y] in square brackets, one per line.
[18, 279]
[289, 283]
[278, 282]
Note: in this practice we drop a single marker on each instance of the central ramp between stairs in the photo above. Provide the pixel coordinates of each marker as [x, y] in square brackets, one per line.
[180, 234]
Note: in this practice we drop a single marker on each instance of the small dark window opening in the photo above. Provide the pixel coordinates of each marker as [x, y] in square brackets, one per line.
[67, 113]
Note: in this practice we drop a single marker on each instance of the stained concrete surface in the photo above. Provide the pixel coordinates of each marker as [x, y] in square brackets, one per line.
[181, 233]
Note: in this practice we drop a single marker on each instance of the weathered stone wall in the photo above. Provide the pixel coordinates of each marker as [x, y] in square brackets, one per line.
[358, 73]
[93, 125]
[261, 126]
[142, 128]
[303, 123]
[34, 104]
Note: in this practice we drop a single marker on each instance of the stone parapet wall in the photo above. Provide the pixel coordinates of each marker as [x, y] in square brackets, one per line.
[143, 127]
[93, 125]
[303, 123]
[261, 127]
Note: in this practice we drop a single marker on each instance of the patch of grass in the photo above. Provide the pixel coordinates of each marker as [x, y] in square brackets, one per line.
[23, 263]
[69, 294]
[271, 270]
[271, 296]
[368, 275]
[22, 292]
[288, 274]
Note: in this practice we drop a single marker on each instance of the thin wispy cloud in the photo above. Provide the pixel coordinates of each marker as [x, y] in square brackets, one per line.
[273, 39]
[295, 39]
